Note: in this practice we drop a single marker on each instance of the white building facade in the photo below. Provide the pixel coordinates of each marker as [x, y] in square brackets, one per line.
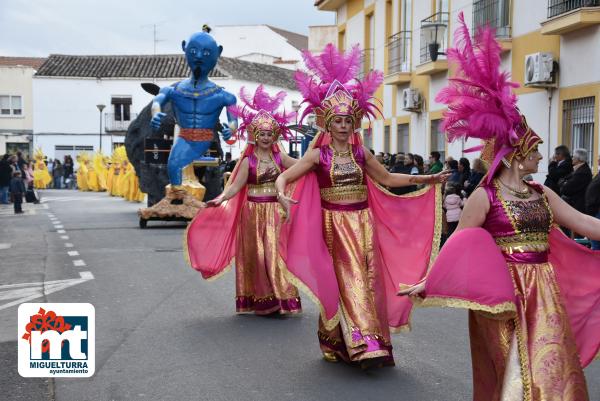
[67, 90]
[16, 103]
[391, 32]
[261, 44]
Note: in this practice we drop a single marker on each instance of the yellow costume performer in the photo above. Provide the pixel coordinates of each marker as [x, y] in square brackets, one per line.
[115, 171]
[92, 177]
[82, 171]
[41, 176]
[131, 184]
[100, 171]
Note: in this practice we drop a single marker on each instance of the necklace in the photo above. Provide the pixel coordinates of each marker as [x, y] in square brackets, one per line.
[263, 160]
[337, 153]
[519, 193]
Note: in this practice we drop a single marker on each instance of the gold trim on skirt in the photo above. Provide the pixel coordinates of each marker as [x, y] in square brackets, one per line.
[550, 369]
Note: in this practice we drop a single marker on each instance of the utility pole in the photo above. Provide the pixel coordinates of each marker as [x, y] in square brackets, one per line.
[155, 39]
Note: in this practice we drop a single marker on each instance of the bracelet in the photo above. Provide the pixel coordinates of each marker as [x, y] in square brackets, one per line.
[428, 179]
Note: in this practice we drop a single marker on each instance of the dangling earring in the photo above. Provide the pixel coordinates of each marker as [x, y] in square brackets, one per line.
[521, 167]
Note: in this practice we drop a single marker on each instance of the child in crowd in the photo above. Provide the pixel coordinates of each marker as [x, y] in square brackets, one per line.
[17, 189]
[453, 203]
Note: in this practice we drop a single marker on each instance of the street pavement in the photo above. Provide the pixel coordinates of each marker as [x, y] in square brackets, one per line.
[163, 333]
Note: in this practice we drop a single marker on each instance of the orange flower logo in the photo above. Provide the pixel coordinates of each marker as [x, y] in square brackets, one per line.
[44, 321]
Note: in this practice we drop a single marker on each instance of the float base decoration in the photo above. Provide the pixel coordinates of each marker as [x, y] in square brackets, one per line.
[181, 203]
[177, 205]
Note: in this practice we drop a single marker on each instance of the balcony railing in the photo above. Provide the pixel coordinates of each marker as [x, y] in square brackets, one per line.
[399, 52]
[367, 62]
[558, 7]
[493, 13]
[435, 18]
[119, 124]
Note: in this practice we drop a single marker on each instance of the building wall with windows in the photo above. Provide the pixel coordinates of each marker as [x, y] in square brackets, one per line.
[66, 94]
[565, 114]
[16, 108]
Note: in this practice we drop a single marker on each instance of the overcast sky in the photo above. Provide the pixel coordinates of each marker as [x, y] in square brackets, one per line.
[42, 27]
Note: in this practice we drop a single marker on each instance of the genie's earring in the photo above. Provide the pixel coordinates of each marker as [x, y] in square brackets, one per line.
[521, 167]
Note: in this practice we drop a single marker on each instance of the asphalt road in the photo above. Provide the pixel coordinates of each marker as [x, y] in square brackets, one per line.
[162, 333]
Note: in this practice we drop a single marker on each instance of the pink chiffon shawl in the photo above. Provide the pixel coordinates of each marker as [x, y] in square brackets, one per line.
[577, 270]
[406, 236]
[472, 273]
[210, 239]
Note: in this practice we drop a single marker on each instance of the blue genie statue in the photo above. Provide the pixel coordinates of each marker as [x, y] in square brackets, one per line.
[197, 103]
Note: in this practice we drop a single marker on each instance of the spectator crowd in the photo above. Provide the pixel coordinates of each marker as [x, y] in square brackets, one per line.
[569, 175]
[17, 178]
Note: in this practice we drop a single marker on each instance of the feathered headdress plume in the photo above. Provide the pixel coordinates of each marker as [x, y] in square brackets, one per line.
[480, 100]
[261, 111]
[119, 155]
[38, 154]
[333, 71]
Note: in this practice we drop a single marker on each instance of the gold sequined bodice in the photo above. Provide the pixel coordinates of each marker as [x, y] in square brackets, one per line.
[267, 171]
[517, 225]
[346, 179]
[262, 177]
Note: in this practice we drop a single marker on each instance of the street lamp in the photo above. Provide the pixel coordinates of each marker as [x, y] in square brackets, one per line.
[433, 32]
[100, 108]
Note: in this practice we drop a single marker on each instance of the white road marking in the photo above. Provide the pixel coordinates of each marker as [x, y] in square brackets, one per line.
[68, 245]
[10, 212]
[78, 262]
[5, 245]
[59, 226]
[25, 292]
[73, 253]
[64, 237]
[82, 198]
[61, 231]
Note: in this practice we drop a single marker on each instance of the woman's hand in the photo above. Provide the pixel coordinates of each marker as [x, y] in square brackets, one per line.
[216, 202]
[442, 176]
[413, 291]
[286, 202]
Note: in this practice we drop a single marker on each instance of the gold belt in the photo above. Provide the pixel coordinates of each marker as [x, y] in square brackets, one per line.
[344, 193]
[197, 134]
[266, 189]
[523, 242]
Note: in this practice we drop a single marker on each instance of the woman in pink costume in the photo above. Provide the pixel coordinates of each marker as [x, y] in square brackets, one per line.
[244, 220]
[533, 294]
[348, 238]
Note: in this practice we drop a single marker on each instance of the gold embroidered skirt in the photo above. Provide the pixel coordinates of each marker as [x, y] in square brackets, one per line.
[363, 331]
[261, 286]
[532, 357]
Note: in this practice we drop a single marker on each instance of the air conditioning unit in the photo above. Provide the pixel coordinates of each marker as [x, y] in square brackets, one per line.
[411, 100]
[540, 70]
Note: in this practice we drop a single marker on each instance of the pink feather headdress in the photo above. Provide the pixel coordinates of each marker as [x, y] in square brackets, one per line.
[259, 112]
[331, 87]
[480, 100]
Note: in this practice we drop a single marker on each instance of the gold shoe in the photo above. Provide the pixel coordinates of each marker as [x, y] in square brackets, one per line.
[330, 357]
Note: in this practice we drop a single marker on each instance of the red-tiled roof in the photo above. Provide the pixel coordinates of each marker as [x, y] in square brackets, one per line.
[297, 40]
[160, 66]
[33, 62]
